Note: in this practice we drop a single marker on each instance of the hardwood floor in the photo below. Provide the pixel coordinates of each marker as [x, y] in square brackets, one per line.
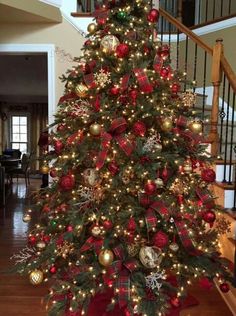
[19, 298]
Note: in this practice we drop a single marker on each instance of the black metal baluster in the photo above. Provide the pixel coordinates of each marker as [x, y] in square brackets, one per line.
[226, 134]
[204, 86]
[195, 67]
[231, 141]
[222, 114]
[234, 205]
[186, 62]
[221, 8]
[199, 11]
[229, 7]
[177, 52]
[214, 10]
[206, 12]
[166, 22]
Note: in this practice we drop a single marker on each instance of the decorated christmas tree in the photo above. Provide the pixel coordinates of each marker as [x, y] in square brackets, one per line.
[129, 218]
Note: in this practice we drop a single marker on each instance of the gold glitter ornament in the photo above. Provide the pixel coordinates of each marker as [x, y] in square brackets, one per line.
[109, 44]
[106, 257]
[92, 28]
[195, 126]
[95, 129]
[44, 169]
[36, 277]
[167, 124]
[81, 90]
[133, 249]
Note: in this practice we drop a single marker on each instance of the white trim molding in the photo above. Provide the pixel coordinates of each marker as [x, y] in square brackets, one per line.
[55, 3]
[48, 49]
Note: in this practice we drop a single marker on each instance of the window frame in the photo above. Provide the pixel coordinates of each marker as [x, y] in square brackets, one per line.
[20, 114]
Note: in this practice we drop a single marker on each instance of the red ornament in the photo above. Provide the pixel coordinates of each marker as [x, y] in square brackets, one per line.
[133, 95]
[131, 226]
[69, 228]
[46, 238]
[61, 127]
[46, 209]
[175, 88]
[160, 239]
[101, 21]
[67, 182]
[205, 283]
[146, 49]
[113, 168]
[208, 175]
[175, 302]
[150, 187]
[180, 199]
[53, 173]
[209, 217]
[144, 200]
[122, 50]
[163, 51]
[32, 240]
[224, 287]
[58, 146]
[115, 90]
[139, 129]
[53, 270]
[164, 72]
[88, 42]
[107, 225]
[153, 16]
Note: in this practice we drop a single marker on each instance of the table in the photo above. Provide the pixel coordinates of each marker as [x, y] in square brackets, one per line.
[9, 162]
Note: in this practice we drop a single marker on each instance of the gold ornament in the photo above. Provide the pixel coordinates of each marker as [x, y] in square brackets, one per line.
[133, 249]
[65, 249]
[127, 175]
[167, 125]
[81, 90]
[95, 129]
[36, 277]
[106, 257]
[189, 98]
[109, 44]
[41, 245]
[174, 247]
[195, 126]
[91, 177]
[26, 218]
[44, 170]
[96, 231]
[149, 257]
[158, 147]
[188, 166]
[159, 183]
[78, 230]
[92, 27]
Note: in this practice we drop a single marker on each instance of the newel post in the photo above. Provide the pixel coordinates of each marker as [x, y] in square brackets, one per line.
[216, 77]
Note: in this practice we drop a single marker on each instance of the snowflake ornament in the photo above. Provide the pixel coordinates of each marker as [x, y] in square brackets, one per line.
[152, 142]
[102, 78]
[153, 280]
[189, 98]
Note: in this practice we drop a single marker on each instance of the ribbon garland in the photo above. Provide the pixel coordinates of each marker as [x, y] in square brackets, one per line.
[186, 241]
[150, 218]
[92, 243]
[143, 80]
[118, 127]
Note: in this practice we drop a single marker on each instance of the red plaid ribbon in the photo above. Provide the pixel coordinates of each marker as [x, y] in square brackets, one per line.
[68, 96]
[181, 121]
[186, 241]
[118, 127]
[157, 63]
[151, 220]
[92, 244]
[97, 103]
[189, 136]
[203, 196]
[143, 80]
[125, 82]
[77, 136]
[161, 208]
[89, 80]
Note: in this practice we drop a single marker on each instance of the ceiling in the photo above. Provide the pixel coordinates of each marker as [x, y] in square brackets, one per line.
[23, 77]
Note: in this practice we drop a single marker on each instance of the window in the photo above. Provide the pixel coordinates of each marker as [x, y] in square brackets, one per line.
[19, 132]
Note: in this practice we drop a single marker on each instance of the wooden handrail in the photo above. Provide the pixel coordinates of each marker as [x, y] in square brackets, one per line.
[230, 74]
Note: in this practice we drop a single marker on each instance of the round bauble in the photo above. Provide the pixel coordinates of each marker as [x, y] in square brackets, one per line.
[58, 146]
[139, 129]
[160, 239]
[195, 126]
[53, 173]
[67, 182]
[153, 16]
[164, 72]
[209, 217]
[122, 15]
[159, 183]
[53, 270]
[95, 129]
[158, 147]
[166, 124]
[174, 247]
[175, 302]
[144, 200]
[109, 44]
[175, 88]
[36, 277]
[41, 245]
[44, 169]
[208, 175]
[115, 90]
[26, 218]
[92, 27]
[107, 225]
[106, 257]
[91, 177]
[149, 257]
[32, 240]
[131, 226]
[122, 50]
[163, 51]
[224, 287]
[81, 90]
[150, 187]
[96, 230]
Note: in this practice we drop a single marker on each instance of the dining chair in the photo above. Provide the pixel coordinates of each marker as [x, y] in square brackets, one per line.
[22, 169]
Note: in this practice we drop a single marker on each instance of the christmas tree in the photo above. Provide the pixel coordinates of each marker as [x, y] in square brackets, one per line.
[130, 212]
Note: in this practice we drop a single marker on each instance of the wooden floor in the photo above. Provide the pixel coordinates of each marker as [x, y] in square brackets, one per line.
[19, 298]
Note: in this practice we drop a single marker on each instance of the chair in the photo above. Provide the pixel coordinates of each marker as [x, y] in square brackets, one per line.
[22, 169]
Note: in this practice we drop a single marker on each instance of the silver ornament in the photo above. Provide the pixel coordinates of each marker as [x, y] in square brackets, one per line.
[159, 183]
[91, 177]
[149, 257]
[174, 247]
[26, 218]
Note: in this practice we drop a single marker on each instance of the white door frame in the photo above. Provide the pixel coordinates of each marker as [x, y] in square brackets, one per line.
[49, 49]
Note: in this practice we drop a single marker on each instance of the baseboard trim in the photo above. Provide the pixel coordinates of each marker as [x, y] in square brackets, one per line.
[229, 298]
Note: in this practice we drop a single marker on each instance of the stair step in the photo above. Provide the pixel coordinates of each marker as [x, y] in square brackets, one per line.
[223, 162]
[225, 185]
[82, 14]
